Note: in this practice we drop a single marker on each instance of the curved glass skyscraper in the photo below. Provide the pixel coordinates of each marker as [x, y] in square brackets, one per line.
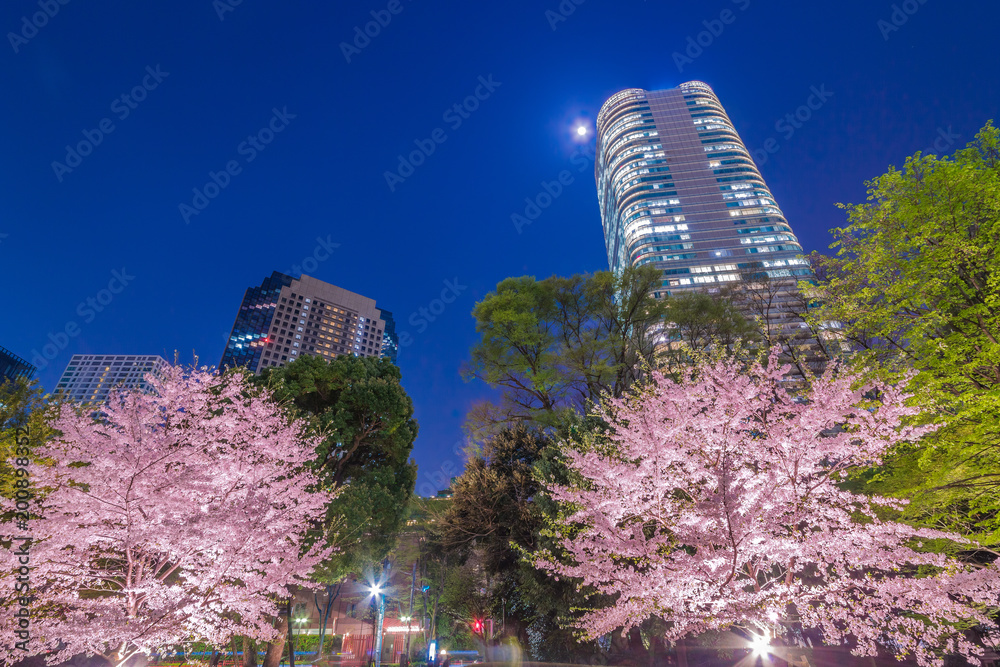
[678, 189]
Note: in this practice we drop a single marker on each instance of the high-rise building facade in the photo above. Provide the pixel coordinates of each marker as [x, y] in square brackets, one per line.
[390, 339]
[678, 189]
[90, 378]
[285, 318]
[13, 366]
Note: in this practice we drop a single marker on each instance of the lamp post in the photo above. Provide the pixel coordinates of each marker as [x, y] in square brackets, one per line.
[406, 651]
[760, 644]
[380, 595]
[409, 617]
[291, 637]
[300, 621]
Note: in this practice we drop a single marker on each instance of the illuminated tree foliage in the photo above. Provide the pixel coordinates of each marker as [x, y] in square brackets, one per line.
[915, 285]
[176, 515]
[715, 502]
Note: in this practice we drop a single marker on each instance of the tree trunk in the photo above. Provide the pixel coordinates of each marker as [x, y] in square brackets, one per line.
[682, 655]
[332, 593]
[216, 656]
[249, 652]
[272, 658]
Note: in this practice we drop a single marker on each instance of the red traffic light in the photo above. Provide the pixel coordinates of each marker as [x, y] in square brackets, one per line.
[477, 625]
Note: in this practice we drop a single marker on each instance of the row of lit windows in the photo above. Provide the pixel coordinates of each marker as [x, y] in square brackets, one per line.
[755, 211]
[631, 137]
[659, 174]
[638, 187]
[774, 248]
[729, 277]
[632, 94]
[638, 167]
[767, 239]
[649, 151]
[613, 133]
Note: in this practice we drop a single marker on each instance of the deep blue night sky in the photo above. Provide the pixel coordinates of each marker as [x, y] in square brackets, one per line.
[893, 92]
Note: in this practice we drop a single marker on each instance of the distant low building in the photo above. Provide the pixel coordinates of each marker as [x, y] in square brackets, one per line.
[90, 378]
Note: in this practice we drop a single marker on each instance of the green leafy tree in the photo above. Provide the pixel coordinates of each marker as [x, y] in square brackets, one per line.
[915, 285]
[779, 308]
[358, 404]
[492, 501]
[435, 563]
[365, 419]
[499, 513]
[695, 323]
[23, 421]
[554, 346]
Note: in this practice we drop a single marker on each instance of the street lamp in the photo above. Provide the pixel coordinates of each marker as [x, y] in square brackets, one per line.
[406, 623]
[760, 645]
[377, 591]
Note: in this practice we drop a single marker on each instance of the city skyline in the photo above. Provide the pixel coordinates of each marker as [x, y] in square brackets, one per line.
[106, 264]
[689, 331]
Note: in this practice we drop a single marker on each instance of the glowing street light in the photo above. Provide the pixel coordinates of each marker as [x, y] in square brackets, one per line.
[376, 590]
[760, 644]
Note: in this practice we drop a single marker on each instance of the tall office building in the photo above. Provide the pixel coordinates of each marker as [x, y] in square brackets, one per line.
[285, 318]
[13, 366]
[90, 378]
[678, 189]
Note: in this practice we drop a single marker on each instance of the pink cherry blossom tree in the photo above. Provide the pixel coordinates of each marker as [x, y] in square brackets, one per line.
[180, 514]
[716, 502]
